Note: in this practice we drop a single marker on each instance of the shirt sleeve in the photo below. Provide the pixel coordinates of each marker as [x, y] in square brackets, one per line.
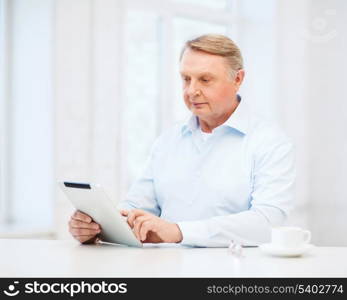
[271, 201]
[141, 194]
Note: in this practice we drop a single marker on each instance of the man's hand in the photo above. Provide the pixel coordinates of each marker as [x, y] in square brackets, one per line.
[83, 229]
[152, 229]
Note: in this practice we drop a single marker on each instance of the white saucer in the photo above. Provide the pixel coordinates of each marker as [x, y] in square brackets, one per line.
[286, 252]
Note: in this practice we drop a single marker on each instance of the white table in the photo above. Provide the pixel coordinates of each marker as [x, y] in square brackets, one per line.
[67, 258]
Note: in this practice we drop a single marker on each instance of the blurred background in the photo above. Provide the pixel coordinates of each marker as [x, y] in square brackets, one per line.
[86, 86]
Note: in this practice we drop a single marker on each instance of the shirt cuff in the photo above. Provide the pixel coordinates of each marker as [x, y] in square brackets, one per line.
[193, 233]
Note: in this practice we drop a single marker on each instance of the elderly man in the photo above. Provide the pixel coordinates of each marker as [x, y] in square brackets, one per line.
[225, 175]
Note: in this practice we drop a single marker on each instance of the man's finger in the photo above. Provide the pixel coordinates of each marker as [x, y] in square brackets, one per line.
[87, 239]
[81, 231]
[133, 214]
[124, 212]
[79, 224]
[137, 225]
[145, 228]
[81, 217]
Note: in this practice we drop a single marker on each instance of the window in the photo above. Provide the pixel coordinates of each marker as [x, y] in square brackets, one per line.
[27, 173]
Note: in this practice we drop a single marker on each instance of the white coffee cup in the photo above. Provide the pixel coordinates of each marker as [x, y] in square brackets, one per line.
[290, 237]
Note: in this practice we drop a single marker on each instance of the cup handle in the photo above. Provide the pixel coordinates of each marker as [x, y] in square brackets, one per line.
[307, 236]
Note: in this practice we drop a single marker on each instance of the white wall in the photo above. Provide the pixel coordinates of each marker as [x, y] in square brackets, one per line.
[327, 65]
[311, 73]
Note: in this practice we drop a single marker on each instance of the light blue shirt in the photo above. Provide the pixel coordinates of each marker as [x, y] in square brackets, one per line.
[232, 186]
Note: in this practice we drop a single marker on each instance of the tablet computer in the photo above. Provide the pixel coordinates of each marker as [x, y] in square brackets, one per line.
[93, 201]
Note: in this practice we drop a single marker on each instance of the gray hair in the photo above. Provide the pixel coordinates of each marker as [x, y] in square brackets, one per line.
[218, 45]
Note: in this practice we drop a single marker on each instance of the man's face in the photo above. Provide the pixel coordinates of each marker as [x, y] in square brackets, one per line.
[208, 89]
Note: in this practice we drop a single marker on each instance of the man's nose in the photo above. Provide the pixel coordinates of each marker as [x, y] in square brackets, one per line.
[193, 87]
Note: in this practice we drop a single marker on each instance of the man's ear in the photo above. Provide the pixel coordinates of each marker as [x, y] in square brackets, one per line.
[240, 75]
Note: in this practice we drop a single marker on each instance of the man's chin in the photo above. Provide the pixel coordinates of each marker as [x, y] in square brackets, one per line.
[199, 113]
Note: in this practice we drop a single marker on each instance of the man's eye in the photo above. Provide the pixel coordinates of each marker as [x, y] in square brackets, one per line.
[205, 80]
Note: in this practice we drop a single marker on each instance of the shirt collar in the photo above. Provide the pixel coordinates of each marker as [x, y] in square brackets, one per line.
[238, 120]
